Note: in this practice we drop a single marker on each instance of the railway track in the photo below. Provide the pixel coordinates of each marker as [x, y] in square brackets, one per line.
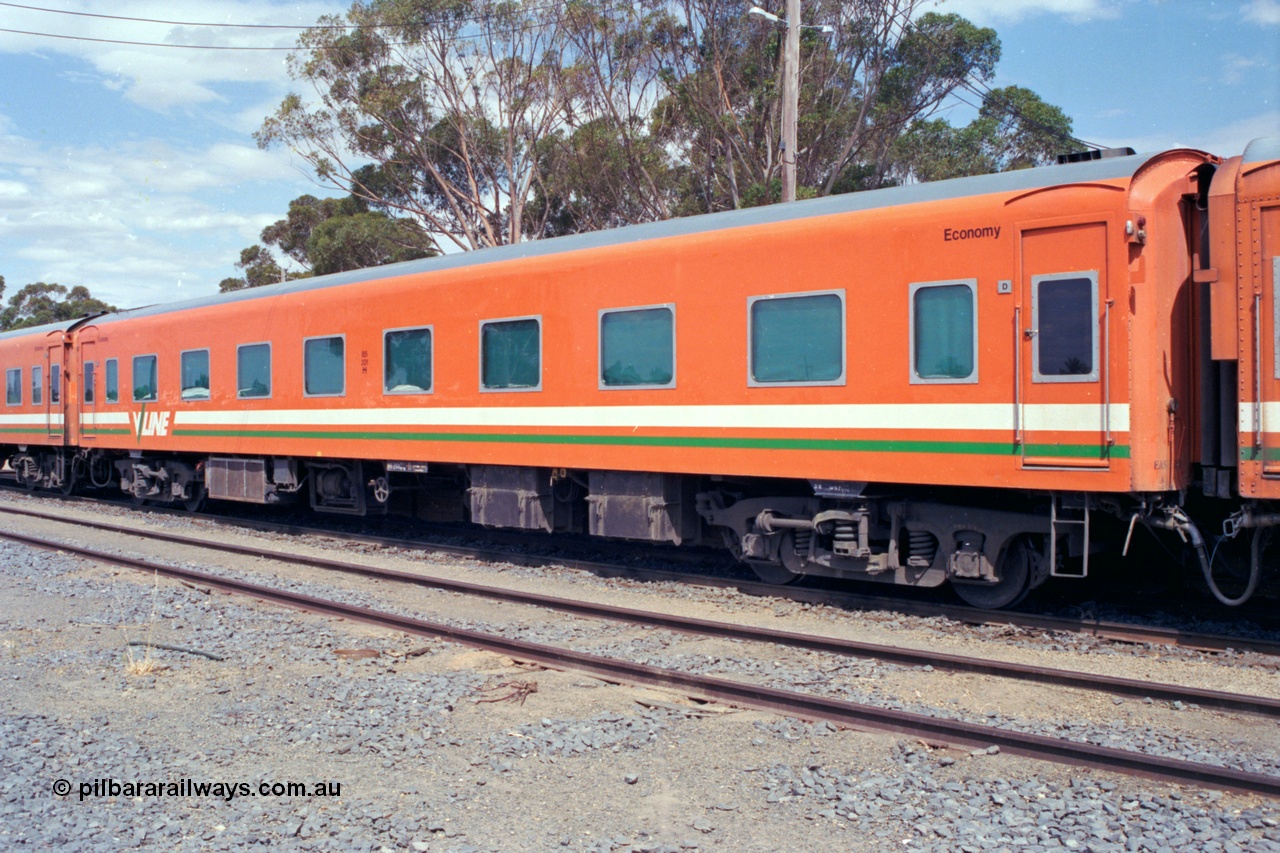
[726, 630]
[935, 730]
[1102, 629]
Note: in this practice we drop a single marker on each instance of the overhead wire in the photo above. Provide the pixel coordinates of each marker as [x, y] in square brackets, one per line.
[977, 87]
[460, 36]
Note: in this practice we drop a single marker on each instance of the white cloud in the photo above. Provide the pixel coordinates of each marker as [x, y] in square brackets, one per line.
[161, 78]
[986, 12]
[1233, 68]
[1263, 12]
[135, 220]
[1225, 141]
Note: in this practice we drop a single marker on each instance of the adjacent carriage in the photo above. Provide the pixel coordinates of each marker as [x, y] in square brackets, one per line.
[940, 382]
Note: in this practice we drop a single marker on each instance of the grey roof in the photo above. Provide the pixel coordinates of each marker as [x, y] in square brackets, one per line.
[37, 330]
[1259, 150]
[1023, 179]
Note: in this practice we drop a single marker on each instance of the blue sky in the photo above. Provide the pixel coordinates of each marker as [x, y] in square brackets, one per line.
[132, 170]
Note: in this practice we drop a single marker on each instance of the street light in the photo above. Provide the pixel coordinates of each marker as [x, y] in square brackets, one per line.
[790, 88]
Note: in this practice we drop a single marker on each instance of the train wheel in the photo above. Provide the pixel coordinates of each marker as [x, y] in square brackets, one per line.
[773, 573]
[196, 502]
[1015, 580]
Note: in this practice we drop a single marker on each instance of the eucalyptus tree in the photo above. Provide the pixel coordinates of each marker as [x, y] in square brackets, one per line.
[492, 121]
[448, 99]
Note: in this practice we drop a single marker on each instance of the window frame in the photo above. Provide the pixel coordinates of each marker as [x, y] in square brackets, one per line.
[1095, 374]
[642, 386]
[181, 371]
[107, 365]
[840, 380]
[343, 337]
[521, 389]
[1275, 314]
[913, 372]
[7, 373]
[133, 379]
[55, 384]
[37, 384]
[271, 365]
[431, 330]
[88, 394]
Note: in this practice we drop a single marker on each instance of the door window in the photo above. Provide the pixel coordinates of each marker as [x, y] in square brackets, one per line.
[1065, 322]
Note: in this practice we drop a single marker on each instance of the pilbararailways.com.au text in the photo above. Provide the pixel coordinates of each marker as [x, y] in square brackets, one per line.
[100, 788]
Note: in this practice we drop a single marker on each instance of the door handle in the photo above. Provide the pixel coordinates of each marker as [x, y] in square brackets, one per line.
[1030, 333]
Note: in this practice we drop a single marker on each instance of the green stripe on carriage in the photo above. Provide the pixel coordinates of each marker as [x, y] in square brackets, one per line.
[994, 448]
[105, 431]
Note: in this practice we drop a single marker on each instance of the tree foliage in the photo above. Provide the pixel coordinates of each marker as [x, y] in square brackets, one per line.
[493, 121]
[323, 236]
[40, 303]
[1015, 129]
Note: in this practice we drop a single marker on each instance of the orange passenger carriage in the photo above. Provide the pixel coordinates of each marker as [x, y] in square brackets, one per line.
[940, 382]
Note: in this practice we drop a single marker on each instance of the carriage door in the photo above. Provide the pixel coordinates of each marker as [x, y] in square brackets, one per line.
[55, 405]
[1063, 383]
[89, 390]
[1268, 321]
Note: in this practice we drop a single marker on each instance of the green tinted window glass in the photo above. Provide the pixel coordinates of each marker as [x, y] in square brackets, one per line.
[510, 354]
[944, 344]
[637, 347]
[253, 370]
[112, 381]
[89, 376]
[144, 378]
[1066, 327]
[797, 339]
[195, 375]
[37, 385]
[13, 386]
[324, 366]
[406, 361]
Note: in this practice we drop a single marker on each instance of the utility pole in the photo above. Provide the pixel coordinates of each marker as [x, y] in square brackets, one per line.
[790, 99]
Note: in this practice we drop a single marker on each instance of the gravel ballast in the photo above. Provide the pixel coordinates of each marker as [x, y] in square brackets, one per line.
[430, 757]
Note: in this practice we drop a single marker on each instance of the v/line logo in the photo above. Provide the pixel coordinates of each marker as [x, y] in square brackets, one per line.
[150, 423]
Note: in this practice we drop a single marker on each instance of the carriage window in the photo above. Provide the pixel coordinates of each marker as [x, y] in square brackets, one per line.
[797, 339]
[1065, 323]
[112, 381]
[944, 332]
[195, 374]
[13, 386]
[55, 383]
[253, 370]
[88, 381]
[637, 348]
[144, 378]
[37, 385]
[406, 361]
[324, 363]
[511, 355]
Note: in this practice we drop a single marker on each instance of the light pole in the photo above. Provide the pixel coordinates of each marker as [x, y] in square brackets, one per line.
[790, 89]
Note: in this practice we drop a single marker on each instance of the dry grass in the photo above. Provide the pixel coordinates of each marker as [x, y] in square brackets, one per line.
[139, 664]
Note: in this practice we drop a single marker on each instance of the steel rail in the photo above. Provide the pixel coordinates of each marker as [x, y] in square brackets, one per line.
[855, 715]
[704, 627]
[1102, 629]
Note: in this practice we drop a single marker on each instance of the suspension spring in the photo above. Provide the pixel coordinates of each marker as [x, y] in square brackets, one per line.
[922, 546]
[802, 539]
